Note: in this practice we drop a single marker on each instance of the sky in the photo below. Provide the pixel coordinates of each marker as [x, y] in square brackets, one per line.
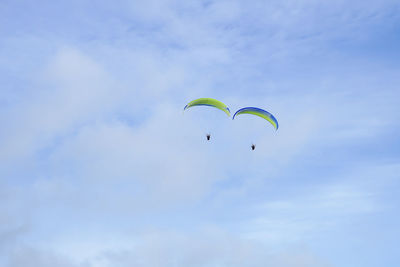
[99, 166]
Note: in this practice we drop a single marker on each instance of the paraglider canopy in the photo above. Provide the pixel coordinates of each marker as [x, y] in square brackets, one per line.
[209, 102]
[260, 113]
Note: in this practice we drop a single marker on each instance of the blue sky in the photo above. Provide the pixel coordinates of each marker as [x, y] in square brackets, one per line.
[98, 166]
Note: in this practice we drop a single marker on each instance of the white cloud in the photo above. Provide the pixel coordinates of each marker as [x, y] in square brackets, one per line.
[23, 256]
[208, 247]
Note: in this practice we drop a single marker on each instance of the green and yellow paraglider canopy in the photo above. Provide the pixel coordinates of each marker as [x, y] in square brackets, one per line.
[260, 113]
[208, 102]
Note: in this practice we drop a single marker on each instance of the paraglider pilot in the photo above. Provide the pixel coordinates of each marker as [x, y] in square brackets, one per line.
[208, 137]
[253, 146]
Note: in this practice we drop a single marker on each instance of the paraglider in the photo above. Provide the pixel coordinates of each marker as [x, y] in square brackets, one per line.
[211, 103]
[260, 113]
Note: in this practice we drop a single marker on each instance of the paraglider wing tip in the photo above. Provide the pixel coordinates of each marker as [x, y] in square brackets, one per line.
[185, 107]
[234, 115]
